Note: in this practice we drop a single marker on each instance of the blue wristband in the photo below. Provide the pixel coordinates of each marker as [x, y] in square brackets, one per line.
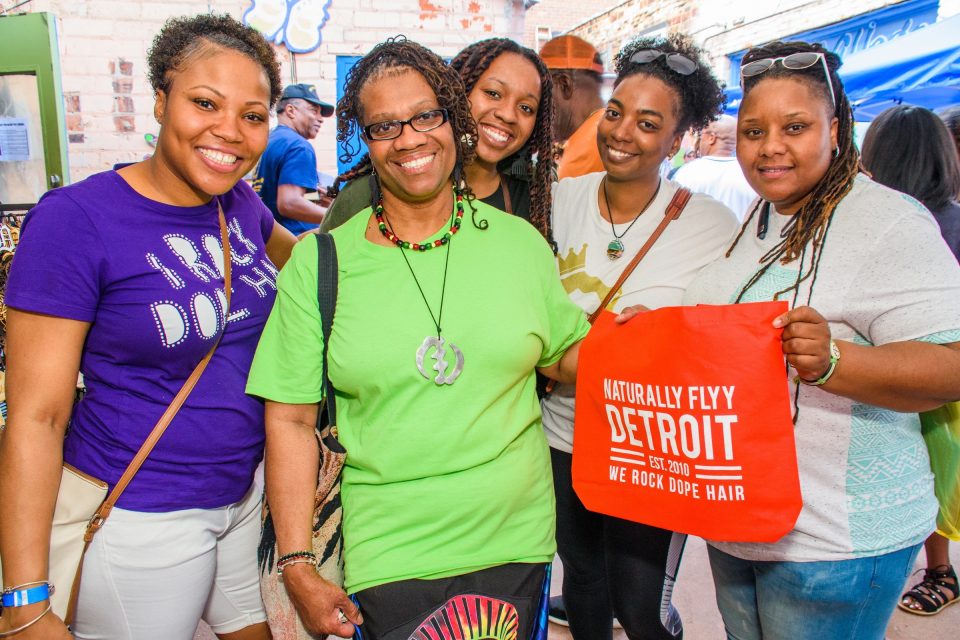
[23, 597]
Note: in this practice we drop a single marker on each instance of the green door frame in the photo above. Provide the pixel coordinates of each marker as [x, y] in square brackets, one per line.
[28, 45]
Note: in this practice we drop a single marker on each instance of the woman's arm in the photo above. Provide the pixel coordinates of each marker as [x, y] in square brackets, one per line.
[906, 376]
[292, 464]
[564, 370]
[280, 245]
[43, 359]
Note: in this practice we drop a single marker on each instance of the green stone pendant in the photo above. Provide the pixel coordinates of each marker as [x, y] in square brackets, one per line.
[614, 249]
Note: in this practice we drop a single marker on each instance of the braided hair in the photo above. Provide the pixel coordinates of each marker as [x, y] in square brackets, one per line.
[700, 95]
[392, 57]
[473, 62]
[809, 226]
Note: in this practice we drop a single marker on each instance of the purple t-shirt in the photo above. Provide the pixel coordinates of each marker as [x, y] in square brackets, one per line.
[148, 276]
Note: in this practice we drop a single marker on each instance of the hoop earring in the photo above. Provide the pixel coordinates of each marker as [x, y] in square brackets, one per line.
[836, 151]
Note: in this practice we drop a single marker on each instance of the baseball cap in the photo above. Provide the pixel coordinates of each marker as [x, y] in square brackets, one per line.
[307, 92]
[571, 52]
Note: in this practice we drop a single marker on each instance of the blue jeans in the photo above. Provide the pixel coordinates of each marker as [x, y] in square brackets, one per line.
[839, 600]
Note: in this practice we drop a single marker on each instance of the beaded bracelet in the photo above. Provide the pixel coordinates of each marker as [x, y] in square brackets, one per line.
[297, 554]
[295, 557]
[13, 632]
[292, 561]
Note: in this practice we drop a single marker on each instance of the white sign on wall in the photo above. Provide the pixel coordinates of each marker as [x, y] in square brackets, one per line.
[14, 139]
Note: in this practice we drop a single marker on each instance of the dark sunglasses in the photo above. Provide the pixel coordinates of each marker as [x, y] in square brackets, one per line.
[799, 60]
[677, 62]
[390, 129]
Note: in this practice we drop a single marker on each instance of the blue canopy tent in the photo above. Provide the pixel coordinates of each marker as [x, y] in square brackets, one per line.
[921, 68]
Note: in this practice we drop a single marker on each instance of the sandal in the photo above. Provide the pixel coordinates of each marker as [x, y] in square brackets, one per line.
[938, 590]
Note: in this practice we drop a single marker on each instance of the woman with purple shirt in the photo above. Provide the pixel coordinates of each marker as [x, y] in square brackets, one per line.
[120, 277]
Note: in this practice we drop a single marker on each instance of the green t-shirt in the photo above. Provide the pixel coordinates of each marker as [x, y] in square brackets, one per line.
[439, 480]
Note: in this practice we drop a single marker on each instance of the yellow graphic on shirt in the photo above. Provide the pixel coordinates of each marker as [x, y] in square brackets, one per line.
[574, 276]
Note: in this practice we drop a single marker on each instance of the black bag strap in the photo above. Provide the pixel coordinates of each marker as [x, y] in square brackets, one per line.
[327, 301]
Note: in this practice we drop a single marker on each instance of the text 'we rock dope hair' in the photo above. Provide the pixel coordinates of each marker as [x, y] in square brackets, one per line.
[471, 63]
[182, 38]
[809, 226]
[700, 95]
[392, 57]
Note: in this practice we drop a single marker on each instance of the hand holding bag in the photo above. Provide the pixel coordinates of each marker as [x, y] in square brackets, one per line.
[81, 509]
[683, 422]
[327, 538]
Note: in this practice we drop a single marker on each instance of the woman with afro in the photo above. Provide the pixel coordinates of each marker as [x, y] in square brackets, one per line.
[613, 567]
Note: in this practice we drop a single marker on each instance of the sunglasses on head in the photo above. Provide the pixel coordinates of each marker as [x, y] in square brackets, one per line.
[677, 62]
[799, 60]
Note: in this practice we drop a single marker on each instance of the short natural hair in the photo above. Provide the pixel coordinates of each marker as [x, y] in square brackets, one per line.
[909, 149]
[182, 38]
[700, 95]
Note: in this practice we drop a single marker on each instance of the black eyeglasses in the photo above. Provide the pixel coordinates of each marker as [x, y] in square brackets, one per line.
[390, 129]
[677, 62]
[799, 60]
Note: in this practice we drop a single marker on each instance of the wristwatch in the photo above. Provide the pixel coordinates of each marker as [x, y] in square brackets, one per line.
[834, 359]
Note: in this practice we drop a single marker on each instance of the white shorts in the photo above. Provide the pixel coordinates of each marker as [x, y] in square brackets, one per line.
[154, 576]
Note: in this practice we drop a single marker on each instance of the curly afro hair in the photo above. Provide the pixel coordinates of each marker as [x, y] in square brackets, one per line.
[700, 96]
[473, 62]
[182, 38]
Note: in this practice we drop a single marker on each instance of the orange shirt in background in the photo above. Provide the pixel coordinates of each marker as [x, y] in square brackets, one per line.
[580, 154]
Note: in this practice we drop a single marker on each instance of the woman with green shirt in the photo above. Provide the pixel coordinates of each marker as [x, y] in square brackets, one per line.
[511, 100]
[447, 497]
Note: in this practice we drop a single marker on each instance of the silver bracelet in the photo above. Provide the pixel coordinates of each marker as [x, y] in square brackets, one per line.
[13, 632]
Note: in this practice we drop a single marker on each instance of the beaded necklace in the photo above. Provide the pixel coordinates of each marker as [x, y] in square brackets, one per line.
[403, 244]
[438, 343]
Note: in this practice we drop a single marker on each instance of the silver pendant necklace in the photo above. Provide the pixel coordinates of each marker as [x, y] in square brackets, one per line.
[438, 344]
[615, 248]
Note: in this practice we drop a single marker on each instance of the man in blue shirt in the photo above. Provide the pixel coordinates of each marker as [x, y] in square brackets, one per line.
[288, 168]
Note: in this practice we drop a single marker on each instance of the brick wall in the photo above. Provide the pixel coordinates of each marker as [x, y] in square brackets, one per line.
[103, 46]
[560, 15]
[610, 30]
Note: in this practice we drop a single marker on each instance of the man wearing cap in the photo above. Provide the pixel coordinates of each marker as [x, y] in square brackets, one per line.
[288, 168]
[576, 68]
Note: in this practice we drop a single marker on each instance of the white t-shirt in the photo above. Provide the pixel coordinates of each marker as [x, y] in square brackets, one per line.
[885, 276]
[720, 177]
[701, 234]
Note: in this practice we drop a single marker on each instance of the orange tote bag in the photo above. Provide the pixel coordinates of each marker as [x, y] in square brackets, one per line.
[683, 422]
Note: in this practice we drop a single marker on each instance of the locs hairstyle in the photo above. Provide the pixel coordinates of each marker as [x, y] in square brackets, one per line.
[393, 57]
[700, 95]
[183, 38]
[471, 63]
[809, 227]
[909, 149]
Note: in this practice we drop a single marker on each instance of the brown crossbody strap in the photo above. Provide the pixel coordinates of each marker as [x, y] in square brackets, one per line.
[674, 209]
[101, 515]
[507, 204]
